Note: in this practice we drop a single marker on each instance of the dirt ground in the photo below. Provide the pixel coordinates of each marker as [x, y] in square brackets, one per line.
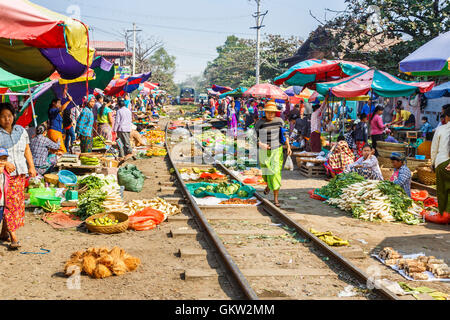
[431, 239]
[39, 276]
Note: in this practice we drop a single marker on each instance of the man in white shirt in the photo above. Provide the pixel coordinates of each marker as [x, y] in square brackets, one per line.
[440, 159]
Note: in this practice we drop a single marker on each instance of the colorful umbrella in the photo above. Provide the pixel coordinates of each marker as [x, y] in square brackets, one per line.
[293, 91]
[45, 93]
[267, 91]
[379, 82]
[121, 86]
[221, 89]
[236, 93]
[440, 91]
[34, 42]
[432, 59]
[314, 70]
[16, 83]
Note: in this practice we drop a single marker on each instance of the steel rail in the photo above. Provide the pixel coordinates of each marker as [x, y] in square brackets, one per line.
[299, 228]
[216, 241]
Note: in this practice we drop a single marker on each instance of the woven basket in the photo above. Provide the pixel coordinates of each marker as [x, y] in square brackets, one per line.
[426, 176]
[385, 162]
[51, 178]
[387, 154]
[413, 163]
[122, 226]
[387, 173]
[392, 147]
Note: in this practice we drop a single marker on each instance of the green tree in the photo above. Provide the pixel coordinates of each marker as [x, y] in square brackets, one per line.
[383, 32]
[235, 64]
[163, 69]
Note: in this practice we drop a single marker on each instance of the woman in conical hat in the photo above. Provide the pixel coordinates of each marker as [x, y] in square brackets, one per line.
[271, 137]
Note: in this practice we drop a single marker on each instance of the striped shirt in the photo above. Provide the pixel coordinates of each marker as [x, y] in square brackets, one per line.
[269, 132]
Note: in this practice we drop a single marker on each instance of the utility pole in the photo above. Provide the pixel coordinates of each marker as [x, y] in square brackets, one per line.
[134, 46]
[259, 20]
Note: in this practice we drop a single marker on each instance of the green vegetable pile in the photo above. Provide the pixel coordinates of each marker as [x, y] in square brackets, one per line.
[98, 143]
[228, 189]
[91, 201]
[89, 161]
[92, 182]
[400, 202]
[334, 188]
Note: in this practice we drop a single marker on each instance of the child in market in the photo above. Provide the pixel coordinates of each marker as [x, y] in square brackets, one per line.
[426, 128]
[4, 179]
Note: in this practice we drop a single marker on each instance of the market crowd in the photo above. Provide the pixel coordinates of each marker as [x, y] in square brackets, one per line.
[306, 127]
[26, 153]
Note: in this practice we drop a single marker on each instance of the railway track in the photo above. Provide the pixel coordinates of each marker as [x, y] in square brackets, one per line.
[262, 251]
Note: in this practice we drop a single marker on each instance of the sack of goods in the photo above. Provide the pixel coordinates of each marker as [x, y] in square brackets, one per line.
[131, 178]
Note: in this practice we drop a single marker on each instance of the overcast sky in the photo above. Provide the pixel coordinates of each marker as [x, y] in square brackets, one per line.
[191, 30]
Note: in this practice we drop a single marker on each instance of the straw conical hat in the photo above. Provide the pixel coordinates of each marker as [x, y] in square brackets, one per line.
[271, 106]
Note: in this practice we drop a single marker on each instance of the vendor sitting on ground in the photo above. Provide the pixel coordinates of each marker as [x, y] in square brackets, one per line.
[402, 174]
[40, 147]
[339, 158]
[136, 138]
[366, 166]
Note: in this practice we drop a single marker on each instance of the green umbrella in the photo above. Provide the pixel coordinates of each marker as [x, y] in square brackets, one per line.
[236, 93]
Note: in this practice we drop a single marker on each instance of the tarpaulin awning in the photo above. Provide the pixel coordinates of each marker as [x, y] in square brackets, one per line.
[221, 89]
[16, 83]
[432, 59]
[440, 91]
[121, 86]
[267, 91]
[34, 42]
[315, 70]
[238, 92]
[379, 82]
[45, 93]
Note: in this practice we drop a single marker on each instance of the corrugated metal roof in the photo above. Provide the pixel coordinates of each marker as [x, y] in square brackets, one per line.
[113, 53]
[113, 45]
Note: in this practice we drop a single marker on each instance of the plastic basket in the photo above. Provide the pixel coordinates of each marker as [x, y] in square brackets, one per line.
[67, 177]
[52, 199]
[40, 192]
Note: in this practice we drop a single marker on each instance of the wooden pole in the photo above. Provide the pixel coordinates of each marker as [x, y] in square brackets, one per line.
[32, 106]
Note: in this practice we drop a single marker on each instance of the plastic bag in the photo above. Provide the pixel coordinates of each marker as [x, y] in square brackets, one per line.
[146, 219]
[289, 165]
[131, 178]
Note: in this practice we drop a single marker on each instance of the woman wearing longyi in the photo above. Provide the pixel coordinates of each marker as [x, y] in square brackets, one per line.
[270, 134]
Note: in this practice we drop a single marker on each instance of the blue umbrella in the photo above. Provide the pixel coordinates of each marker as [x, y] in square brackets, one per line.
[440, 91]
[432, 59]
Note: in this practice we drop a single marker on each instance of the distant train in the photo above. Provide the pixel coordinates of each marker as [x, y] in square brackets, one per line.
[187, 96]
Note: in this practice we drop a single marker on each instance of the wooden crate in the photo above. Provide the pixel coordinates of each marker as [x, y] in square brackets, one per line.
[316, 171]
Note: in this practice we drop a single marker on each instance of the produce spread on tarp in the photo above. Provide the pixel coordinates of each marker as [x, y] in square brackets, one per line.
[373, 200]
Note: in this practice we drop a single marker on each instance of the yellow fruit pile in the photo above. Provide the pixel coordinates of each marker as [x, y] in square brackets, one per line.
[155, 136]
[156, 152]
[100, 263]
[103, 221]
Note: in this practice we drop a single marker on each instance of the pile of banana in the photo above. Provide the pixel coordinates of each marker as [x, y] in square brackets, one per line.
[48, 207]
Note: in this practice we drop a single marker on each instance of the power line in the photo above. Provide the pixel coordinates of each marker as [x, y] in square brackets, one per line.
[170, 27]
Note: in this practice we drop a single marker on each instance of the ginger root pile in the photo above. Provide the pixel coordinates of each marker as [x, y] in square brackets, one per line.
[100, 263]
